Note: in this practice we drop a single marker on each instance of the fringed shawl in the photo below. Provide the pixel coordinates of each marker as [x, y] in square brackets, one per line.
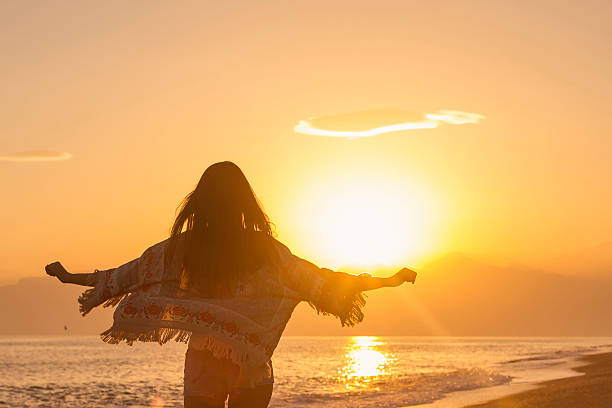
[246, 328]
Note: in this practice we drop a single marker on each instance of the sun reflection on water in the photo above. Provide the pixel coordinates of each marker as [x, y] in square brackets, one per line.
[364, 364]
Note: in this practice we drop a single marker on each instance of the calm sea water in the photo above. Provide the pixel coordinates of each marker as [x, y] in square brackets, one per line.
[310, 371]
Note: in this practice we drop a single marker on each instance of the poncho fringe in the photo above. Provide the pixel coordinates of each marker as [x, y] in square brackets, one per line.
[354, 315]
[162, 335]
[218, 347]
[87, 297]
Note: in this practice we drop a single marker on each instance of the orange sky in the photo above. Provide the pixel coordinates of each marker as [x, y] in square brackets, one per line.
[145, 95]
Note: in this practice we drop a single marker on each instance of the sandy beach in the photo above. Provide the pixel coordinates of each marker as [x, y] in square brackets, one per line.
[591, 390]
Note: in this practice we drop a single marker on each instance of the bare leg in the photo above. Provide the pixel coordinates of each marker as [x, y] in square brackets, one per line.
[258, 397]
[202, 402]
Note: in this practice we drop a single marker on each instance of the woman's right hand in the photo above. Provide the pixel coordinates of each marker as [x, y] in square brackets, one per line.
[56, 269]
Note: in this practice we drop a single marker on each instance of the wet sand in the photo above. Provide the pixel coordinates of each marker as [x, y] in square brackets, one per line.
[591, 390]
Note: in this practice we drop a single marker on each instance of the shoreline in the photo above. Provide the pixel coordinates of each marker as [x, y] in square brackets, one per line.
[574, 375]
[590, 388]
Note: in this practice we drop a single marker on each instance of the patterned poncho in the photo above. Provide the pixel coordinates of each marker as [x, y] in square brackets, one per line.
[151, 305]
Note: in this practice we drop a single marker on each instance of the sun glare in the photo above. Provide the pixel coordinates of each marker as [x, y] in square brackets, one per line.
[370, 222]
[364, 363]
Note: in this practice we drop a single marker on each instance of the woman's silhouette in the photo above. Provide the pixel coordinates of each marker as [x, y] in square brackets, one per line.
[222, 283]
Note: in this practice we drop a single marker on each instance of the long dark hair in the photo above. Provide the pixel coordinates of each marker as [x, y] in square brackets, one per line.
[227, 233]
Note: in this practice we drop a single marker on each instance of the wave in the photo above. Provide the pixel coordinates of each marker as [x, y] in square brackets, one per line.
[403, 390]
[559, 354]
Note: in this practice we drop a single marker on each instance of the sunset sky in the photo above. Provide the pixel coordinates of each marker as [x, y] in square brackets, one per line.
[110, 112]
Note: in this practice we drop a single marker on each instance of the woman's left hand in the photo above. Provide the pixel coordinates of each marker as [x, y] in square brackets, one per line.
[405, 275]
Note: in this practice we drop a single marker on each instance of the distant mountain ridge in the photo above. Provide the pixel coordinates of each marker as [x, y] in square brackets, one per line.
[456, 295]
[594, 260]
[43, 306]
[453, 295]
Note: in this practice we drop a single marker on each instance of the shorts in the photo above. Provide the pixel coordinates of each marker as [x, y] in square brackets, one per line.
[214, 378]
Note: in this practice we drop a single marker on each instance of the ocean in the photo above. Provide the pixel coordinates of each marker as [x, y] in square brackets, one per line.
[310, 371]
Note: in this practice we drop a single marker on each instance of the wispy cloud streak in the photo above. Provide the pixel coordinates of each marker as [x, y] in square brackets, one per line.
[373, 123]
[35, 156]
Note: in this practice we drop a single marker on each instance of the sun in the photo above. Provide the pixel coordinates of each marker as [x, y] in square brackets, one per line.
[367, 222]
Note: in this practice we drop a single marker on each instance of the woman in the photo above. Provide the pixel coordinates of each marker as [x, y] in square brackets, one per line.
[224, 285]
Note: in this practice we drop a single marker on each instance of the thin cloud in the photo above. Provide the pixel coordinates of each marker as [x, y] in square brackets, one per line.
[377, 122]
[454, 117]
[35, 156]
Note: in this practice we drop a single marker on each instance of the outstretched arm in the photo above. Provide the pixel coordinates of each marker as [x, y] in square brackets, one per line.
[110, 286]
[56, 269]
[331, 292]
[365, 281]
